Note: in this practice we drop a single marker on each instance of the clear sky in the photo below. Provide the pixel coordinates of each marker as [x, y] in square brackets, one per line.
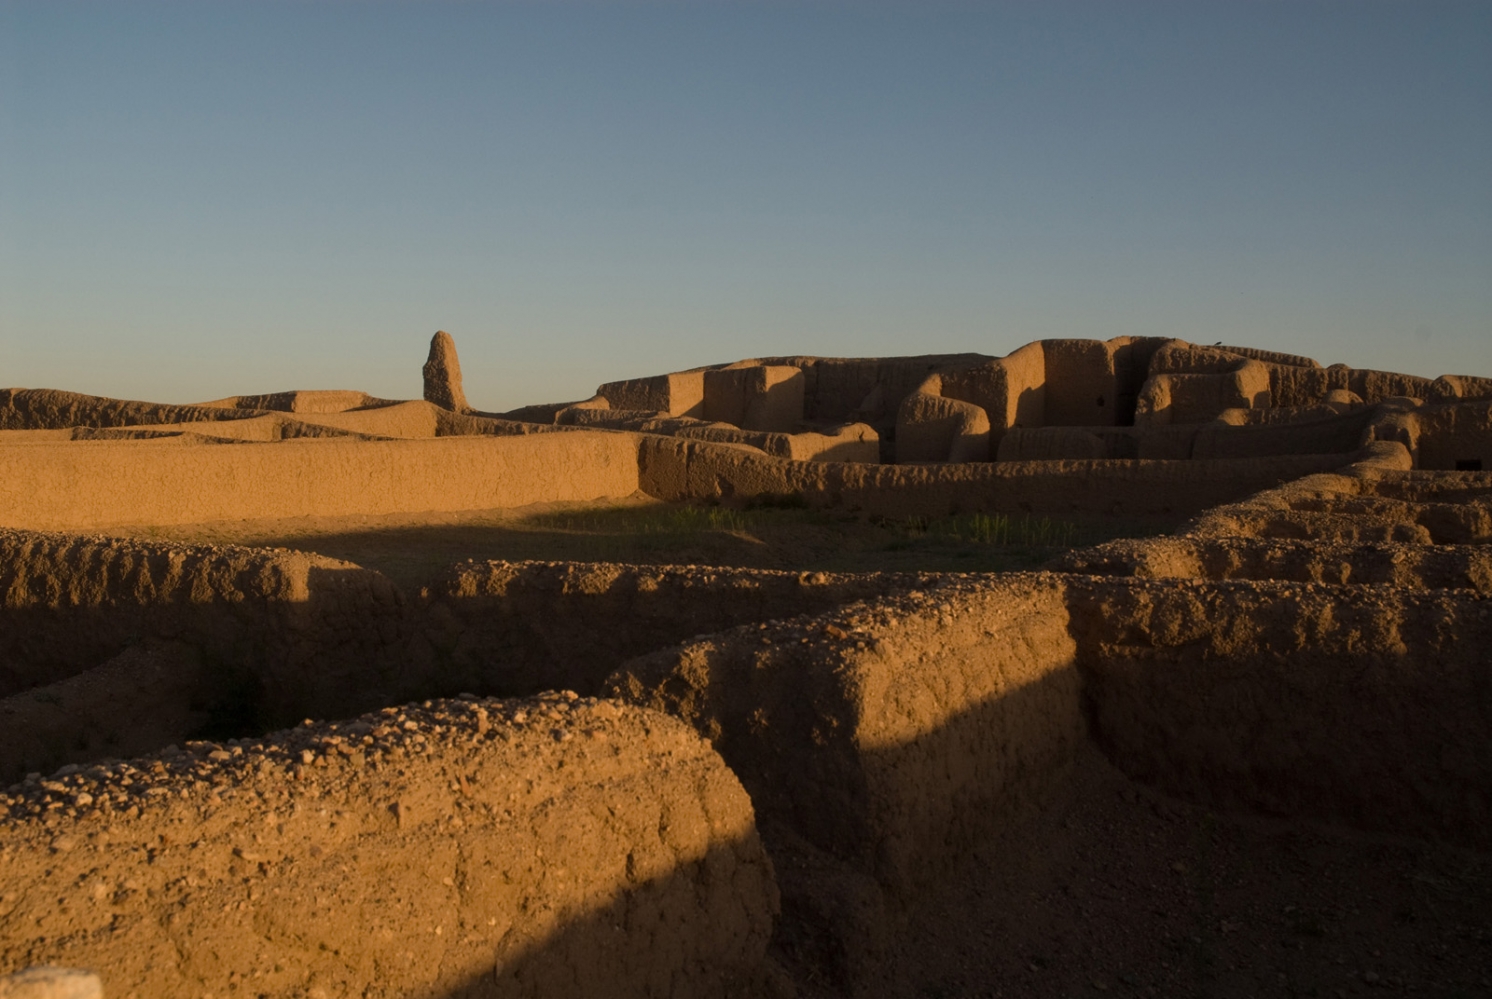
[206, 199]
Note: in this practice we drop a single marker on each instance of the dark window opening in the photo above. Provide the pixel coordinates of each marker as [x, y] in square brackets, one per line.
[1468, 464]
[1100, 402]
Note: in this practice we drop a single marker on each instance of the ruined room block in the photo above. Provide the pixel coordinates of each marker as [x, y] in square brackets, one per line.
[1011, 390]
[930, 427]
[755, 397]
[1454, 437]
[551, 847]
[679, 394]
[1198, 398]
[1082, 386]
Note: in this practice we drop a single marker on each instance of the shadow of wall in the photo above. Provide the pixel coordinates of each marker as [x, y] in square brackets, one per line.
[1356, 704]
[880, 742]
[203, 640]
[515, 628]
[652, 939]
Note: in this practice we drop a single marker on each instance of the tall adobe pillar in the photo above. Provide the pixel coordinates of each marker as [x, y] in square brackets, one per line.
[443, 374]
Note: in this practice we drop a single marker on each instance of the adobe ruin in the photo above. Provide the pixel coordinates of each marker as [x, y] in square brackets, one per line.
[553, 779]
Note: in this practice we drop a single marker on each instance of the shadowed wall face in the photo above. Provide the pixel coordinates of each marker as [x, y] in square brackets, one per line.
[890, 735]
[1356, 704]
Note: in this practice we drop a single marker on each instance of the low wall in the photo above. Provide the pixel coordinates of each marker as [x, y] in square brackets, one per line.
[1360, 704]
[1327, 433]
[1375, 499]
[1451, 437]
[1334, 434]
[855, 442]
[540, 848]
[153, 694]
[893, 735]
[52, 409]
[520, 627]
[232, 637]
[401, 419]
[1410, 566]
[87, 484]
[679, 470]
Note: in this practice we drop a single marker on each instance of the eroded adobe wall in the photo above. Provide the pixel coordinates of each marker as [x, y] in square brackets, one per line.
[865, 389]
[520, 627]
[1095, 383]
[1454, 436]
[153, 694]
[529, 848]
[85, 485]
[1377, 499]
[1011, 390]
[236, 636]
[1408, 566]
[401, 419]
[51, 409]
[678, 470]
[932, 427]
[873, 730]
[1334, 434]
[892, 735]
[71, 601]
[113, 647]
[679, 394]
[302, 401]
[1328, 432]
[1370, 705]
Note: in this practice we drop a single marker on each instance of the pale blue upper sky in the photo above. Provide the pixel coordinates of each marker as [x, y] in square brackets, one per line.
[206, 199]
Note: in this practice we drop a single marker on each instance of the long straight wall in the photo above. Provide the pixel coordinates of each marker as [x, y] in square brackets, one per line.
[82, 485]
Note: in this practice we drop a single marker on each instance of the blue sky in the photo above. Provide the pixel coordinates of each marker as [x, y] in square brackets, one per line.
[206, 199]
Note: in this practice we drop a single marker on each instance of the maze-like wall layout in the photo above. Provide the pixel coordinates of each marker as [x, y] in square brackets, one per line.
[594, 779]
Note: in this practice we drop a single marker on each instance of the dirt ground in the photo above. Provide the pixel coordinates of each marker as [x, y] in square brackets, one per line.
[1117, 891]
[413, 549]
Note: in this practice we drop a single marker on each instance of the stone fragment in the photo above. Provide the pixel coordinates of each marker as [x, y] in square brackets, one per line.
[51, 983]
